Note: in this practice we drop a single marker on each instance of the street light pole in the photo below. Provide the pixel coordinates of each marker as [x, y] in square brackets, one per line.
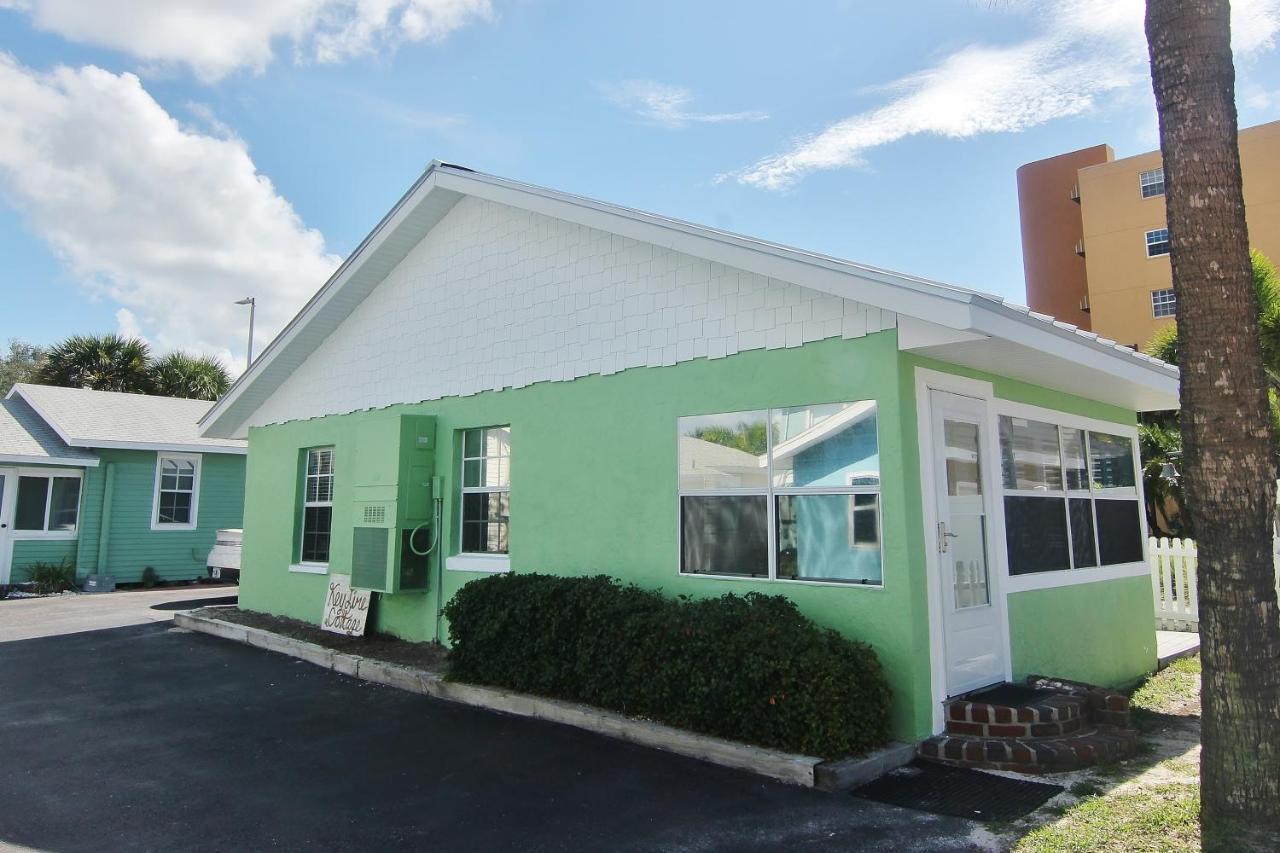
[253, 307]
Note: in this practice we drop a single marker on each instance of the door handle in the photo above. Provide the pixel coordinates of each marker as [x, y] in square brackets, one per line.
[943, 536]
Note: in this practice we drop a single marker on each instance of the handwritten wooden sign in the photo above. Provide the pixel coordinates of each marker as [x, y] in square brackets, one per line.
[345, 609]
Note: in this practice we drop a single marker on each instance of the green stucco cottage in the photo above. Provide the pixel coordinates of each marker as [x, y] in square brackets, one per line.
[113, 483]
[506, 378]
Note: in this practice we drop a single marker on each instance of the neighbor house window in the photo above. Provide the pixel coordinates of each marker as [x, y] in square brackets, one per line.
[790, 494]
[317, 505]
[1157, 242]
[177, 491]
[1164, 303]
[1070, 497]
[1151, 182]
[47, 504]
[486, 490]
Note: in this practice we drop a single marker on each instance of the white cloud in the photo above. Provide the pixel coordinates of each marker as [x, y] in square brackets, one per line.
[1083, 51]
[665, 105]
[216, 37]
[170, 223]
[127, 324]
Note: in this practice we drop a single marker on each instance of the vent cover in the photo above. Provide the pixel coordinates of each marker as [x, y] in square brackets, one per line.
[375, 514]
[369, 557]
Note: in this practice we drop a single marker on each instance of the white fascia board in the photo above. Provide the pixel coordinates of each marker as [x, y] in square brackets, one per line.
[19, 459]
[914, 333]
[163, 447]
[877, 288]
[1072, 347]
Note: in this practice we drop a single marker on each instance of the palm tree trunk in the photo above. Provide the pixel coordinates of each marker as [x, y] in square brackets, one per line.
[1229, 467]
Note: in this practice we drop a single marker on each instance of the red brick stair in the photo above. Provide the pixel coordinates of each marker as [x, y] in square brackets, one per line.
[1048, 726]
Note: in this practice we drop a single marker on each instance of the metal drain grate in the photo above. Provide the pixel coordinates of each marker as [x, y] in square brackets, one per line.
[958, 792]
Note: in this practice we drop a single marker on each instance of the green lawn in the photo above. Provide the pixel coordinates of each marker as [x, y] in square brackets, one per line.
[1149, 804]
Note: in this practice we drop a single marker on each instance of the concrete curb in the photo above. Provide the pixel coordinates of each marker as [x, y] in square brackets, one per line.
[786, 767]
[847, 773]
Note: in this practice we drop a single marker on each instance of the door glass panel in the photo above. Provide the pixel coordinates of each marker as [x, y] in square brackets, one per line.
[966, 541]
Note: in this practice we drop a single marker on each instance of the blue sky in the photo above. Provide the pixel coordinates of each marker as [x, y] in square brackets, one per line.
[159, 160]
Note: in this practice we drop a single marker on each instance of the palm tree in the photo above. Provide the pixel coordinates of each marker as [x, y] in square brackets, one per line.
[1229, 469]
[194, 377]
[102, 362]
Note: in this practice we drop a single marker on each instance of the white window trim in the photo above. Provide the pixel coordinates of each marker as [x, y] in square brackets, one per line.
[770, 493]
[462, 561]
[17, 535]
[312, 566]
[197, 461]
[476, 562]
[1068, 577]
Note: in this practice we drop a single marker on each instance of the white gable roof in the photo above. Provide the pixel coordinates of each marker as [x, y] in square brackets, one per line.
[82, 418]
[26, 439]
[937, 320]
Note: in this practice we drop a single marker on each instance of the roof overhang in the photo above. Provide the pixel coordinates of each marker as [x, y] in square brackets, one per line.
[1140, 382]
[67, 462]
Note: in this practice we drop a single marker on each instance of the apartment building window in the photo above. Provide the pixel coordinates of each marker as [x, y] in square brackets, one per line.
[1157, 242]
[1164, 303]
[1151, 182]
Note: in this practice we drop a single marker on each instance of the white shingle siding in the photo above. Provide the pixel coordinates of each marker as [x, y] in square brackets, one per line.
[499, 297]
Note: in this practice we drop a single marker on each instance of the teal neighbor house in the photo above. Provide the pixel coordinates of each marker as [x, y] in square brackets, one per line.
[113, 483]
[506, 378]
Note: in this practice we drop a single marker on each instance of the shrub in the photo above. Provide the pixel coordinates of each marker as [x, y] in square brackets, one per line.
[52, 578]
[149, 577]
[748, 668]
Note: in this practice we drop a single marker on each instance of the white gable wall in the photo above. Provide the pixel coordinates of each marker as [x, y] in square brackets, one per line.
[496, 297]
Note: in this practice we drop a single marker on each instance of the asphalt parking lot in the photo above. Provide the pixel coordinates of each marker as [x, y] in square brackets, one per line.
[152, 738]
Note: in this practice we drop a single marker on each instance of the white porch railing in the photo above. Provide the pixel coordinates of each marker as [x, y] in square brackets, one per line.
[1173, 580]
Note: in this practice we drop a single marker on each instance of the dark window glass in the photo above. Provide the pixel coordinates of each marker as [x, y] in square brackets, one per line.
[1119, 531]
[486, 522]
[725, 535]
[1036, 534]
[33, 492]
[64, 503]
[175, 508]
[1082, 546]
[316, 521]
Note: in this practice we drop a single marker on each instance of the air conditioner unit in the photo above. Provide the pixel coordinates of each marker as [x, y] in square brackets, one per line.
[394, 483]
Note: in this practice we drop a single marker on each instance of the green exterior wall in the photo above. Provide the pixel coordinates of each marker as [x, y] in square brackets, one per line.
[593, 490]
[27, 552]
[1100, 633]
[131, 543]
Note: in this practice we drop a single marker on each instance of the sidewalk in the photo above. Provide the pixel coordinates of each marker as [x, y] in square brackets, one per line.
[70, 613]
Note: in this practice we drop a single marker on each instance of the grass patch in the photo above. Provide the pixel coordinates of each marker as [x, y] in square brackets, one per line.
[1171, 690]
[1158, 819]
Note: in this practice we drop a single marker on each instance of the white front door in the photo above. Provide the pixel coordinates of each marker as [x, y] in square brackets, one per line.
[8, 490]
[972, 636]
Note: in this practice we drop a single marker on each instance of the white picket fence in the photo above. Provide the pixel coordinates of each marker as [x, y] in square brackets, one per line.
[1173, 580]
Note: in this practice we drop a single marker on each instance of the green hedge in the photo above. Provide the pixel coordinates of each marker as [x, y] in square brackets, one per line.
[749, 668]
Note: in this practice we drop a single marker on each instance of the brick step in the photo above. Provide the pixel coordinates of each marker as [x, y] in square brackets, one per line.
[1037, 755]
[1047, 717]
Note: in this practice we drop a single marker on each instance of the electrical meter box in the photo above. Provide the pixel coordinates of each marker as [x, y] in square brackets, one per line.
[393, 518]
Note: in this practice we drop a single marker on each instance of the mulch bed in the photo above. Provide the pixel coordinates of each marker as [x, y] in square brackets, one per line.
[381, 647]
